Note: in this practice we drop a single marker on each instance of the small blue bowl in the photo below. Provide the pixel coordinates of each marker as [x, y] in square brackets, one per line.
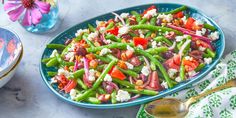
[162, 7]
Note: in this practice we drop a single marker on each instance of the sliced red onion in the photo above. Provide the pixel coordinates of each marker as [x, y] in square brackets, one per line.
[147, 82]
[183, 47]
[113, 85]
[109, 89]
[194, 74]
[102, 37]
[173, 46]
[76, 66]
[134, 97]
[180, 28]
[203, 38]
[120, 18]
[147, 62]
[86, 69]
[131, 80]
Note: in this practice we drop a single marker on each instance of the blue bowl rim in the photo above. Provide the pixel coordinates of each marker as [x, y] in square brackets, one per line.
[144, 100]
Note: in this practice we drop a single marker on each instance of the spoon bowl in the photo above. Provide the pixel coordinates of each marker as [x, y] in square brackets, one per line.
[166, 108]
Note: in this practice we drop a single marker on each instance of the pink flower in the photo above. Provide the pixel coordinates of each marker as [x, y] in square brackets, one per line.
[31, 10]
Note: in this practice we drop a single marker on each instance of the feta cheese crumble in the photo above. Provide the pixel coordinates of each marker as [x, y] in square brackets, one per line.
[207, 60]
[124, 15]
[53, 80]
[104, 51]
[140, 46]
[145, 70]
[189, 58]
[201, 32]
[164, 85]
[54, 52]
[172, 72]
[70, 56]
[107, 78]
[91, 75]
[154, 44]
[178, 79]
[180, 38]
[123, 30]
[129, 65]
[191, 73]
[93, 35]
[64, 72]
[184, 19]
[150, 13]
[168, 17]
[202, 48]
[81, 31]
[199, 22]
[122, 96]
[214, 35]
[73, 94]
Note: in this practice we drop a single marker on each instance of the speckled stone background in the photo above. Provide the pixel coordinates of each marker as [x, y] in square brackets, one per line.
[26, 96]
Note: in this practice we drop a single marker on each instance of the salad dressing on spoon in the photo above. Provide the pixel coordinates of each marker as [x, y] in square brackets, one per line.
[174, 108]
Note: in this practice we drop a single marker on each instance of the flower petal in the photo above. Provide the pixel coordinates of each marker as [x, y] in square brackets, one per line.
[8, 6]
[43, 6]
[36, 15]
[27, 19]
[14, 14]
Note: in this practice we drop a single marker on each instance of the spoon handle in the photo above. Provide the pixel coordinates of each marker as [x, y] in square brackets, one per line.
[231, 83]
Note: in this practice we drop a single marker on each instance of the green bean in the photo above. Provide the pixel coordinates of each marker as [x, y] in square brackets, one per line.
[56, 46]
[93, 100]
[154, 28]
[81, 84]
[65, 50]
[153, 21]
[128, 72]
[148, 34]
[200, 66]
[51, 73]
[111, 57]
[106, 70]
[132, 34]
[113, 97]
[127, 21]
[110, 25]
[97, 82]
[156, 50]
[159, 57]
[144, 91]
[180, 44]
[113, 38]
[85, 36]
[100, 67]
[153, 66]
[208, 26]
[182, 8]
[45, 60]
[78, 38]
[143, 21]
[211, 53]
[101, 91]
[162, 38]
[182, 71]
[206, 55]
[78, 74]
[91, 28]
[110, 46]
[104, 59]
[137, 68]
[123, 83]
[137, 15]
[52, 62]
[157, 63]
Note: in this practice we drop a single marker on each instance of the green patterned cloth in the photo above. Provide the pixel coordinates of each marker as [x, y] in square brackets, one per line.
[221, 104]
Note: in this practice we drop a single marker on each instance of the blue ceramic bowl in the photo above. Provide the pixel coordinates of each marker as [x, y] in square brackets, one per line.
[162, 7]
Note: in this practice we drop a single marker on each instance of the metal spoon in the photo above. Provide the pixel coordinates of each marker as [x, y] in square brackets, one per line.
[174, 108]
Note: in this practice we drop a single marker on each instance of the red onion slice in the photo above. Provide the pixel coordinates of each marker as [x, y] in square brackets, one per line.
[120, 18]
[183, 47]
[76, 66]
[180, 28]
[203, 38]
[173, 46]
[134, 97]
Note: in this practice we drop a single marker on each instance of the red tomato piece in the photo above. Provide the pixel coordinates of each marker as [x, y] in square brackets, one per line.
[190, 65]
[116, 73]
[203, 44]
[171, 64]
[179, 15]
[70, 85]
[140, 41]
[177, 59]
[189, 23]
[114, 31]
[129, 54]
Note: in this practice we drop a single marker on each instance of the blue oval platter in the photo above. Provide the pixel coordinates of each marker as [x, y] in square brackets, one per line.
[162, 7]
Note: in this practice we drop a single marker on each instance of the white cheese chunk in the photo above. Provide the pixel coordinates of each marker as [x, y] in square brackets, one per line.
[130, 48]
[92, 35]
[91, 75]
[172, 72]
[107, 78]
[129, 65]
[73, 94]
[64, 72]
[104, 51]
[122, 96]
[214, 35]
[164, 85]
[202, 48]
[207, 60]
[54, 52]
[178, 79]
[123, 30]
[168, 17]
[145, 70]
[154, 44]
[81, 31]
[150, 13]
[191, 73]
[124, 15]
